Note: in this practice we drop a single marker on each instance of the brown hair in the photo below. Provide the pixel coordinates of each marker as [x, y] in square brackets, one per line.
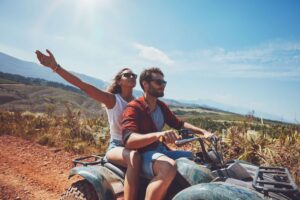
[146, 75]
[114, 87]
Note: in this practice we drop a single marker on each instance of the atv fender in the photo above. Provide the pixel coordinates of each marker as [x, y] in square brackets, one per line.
[99, 177]
[192, 172]
[217, 191]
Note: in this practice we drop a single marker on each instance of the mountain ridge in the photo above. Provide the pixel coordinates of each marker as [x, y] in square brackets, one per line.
[12, 65]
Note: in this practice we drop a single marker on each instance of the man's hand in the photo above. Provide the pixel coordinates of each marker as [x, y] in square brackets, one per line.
[48, 61]
[169, 136]
[208, 135]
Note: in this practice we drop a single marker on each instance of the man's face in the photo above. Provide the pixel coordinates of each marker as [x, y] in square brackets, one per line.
[157, 85]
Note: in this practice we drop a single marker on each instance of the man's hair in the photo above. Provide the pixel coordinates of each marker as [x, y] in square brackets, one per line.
[146, 75]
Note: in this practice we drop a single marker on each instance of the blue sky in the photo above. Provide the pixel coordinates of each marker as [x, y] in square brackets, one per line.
[244, 54]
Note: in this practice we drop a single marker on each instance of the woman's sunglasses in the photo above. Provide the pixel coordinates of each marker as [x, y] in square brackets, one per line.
[159, 82]
[129, 75]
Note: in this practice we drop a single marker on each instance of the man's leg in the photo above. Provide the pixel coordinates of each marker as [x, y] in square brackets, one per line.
[164, 170]
[179, 154]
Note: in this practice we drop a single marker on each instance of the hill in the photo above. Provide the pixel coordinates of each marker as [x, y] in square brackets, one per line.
[15, 66]
[44, 77]
[37, 95]
[12, 65]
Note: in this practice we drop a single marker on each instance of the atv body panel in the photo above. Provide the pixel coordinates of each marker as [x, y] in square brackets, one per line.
[193, 173]
[105, 182]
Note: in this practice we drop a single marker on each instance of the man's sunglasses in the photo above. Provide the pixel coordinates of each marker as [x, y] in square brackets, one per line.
[129, 75]
[159, 81]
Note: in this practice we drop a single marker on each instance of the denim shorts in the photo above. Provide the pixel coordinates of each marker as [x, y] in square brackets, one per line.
[114, 143]
[149, 156]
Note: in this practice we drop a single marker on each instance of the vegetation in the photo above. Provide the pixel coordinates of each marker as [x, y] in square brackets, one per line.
[269, 144]
[67, 120]
[69, 131]
[262, 144]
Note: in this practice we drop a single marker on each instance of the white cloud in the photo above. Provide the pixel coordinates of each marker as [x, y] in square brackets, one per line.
[153, 54]
[270, 60]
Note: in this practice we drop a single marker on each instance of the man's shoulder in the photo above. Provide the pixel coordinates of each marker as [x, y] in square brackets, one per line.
[162, 104]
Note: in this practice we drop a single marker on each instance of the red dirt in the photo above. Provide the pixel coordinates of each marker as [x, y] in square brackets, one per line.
[31, 171]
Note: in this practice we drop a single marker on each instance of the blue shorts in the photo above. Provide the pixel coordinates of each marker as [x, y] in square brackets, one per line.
[149, 156]
[114, 143]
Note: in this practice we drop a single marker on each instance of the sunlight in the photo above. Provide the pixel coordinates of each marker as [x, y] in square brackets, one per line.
[87, 3]
[86, 11]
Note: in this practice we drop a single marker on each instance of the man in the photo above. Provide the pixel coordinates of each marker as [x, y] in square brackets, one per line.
[143, 121]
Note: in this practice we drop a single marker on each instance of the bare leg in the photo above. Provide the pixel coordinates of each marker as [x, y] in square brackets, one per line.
[164, 169]
[131, 160]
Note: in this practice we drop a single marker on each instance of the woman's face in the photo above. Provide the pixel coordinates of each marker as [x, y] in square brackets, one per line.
[128, 79]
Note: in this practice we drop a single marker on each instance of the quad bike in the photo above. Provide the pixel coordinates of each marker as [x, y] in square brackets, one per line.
[207, 177]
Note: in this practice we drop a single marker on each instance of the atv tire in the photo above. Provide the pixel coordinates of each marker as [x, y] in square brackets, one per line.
[216, 191]
[80, 190]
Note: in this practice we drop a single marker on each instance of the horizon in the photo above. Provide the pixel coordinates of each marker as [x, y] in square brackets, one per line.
[241, 54]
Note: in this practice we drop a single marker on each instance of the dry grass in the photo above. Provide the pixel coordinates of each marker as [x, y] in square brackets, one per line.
[279, 147]
[270, 145]
[68, 131]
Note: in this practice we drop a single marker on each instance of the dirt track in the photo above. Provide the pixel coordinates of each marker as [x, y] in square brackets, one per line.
[31, 171]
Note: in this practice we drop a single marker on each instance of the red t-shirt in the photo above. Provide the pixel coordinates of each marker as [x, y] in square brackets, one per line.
[137, 119]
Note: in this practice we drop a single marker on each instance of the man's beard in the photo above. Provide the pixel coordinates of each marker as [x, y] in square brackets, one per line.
[155, 93]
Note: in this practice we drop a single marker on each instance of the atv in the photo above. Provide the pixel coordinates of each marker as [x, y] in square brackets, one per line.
[207, 177]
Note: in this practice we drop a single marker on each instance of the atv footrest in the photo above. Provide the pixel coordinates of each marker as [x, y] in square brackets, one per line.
[274, 179]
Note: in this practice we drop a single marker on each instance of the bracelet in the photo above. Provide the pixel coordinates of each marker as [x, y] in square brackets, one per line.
[56, 68]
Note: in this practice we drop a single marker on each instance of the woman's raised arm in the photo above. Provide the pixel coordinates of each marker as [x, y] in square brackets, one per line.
[108, 99]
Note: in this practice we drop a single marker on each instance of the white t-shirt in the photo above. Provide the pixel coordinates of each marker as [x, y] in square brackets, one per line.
[115, 117]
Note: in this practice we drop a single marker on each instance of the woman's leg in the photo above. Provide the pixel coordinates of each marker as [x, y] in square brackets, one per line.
[131, 160]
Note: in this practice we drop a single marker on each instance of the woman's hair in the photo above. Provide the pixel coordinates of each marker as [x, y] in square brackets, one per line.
[114, 87]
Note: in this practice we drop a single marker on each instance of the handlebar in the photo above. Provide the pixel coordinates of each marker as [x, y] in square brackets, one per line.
[213, 156]
[182, 142]
[189, 136]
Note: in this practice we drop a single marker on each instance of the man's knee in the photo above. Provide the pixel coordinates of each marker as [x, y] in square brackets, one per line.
[165, 168]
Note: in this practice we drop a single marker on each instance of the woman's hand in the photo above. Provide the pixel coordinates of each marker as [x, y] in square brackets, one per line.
[48, 61]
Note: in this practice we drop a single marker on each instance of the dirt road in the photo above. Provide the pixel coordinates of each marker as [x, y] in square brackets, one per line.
[31, 171]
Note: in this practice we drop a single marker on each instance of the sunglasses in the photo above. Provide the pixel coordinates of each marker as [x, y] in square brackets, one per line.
[159, 82]
[129, 75]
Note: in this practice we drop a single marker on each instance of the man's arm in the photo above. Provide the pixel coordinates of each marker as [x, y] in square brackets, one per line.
[130, 129]
[137, 140]
[197, 130]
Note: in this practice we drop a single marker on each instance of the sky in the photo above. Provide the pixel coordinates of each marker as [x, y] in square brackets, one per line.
[244, 54]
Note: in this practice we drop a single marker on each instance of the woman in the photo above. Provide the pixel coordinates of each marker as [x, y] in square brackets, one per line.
[115, 99]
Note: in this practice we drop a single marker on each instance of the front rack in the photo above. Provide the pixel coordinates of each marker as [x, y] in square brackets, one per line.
[274, 179]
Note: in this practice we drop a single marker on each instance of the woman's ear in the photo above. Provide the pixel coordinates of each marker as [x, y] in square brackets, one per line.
[118, 82]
